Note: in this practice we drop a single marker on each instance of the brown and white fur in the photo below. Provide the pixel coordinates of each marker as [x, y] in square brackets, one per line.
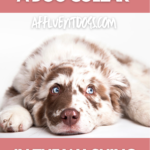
[121, 86]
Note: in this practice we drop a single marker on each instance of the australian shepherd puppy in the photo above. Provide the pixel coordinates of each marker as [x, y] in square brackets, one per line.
[72, 85]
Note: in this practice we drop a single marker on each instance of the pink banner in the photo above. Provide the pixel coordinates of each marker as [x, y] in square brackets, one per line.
[74, 6]
[74, 144]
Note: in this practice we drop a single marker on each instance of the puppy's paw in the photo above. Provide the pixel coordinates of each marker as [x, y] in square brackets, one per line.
[15, 119]
[144, 115]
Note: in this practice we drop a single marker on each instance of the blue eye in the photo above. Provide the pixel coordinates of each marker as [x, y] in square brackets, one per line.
[55, 90]
[89, 90]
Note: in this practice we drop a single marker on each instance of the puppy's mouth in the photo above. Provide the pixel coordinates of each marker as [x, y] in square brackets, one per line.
[67, 131]
[70, 132]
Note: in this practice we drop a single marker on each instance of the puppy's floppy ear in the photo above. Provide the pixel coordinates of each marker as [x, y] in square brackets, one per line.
[120, 93]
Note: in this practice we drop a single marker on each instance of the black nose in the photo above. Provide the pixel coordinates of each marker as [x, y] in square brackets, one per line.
[70, 116]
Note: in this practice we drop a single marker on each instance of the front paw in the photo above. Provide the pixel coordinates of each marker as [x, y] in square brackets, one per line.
[15, 119]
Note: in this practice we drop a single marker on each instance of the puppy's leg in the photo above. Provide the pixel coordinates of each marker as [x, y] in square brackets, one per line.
[13, 116]
[138, 108]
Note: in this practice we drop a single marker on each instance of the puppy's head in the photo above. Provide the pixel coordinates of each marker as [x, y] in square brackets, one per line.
[77, 95]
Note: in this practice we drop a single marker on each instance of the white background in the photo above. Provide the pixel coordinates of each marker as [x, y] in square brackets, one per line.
[18, 39]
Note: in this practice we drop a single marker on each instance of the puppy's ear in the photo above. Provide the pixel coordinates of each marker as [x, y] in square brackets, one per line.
[120, 93]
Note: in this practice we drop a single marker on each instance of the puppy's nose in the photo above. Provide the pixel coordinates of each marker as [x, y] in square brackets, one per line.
[70, 116]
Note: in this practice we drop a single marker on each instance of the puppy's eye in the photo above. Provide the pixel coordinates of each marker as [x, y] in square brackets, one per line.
[55, 90]
[89, 90]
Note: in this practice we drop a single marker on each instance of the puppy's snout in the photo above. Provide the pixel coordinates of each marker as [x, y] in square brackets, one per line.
[70, 116]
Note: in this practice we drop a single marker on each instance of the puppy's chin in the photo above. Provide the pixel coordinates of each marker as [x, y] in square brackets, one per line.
[69, 131]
